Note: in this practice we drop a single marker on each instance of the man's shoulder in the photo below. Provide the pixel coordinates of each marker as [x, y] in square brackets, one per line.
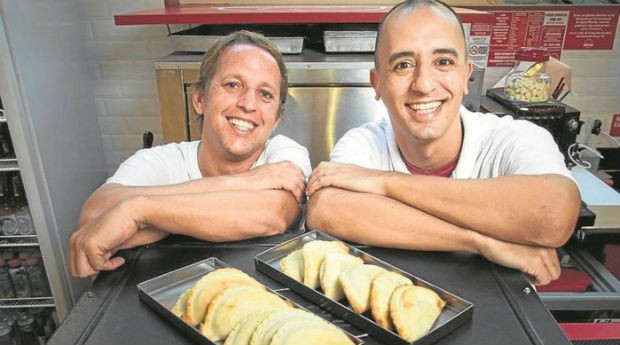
[371, 130]
[280, 139]
[171, 149]
[500, 125]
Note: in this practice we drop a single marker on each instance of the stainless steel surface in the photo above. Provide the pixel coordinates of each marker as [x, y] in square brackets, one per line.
[456, 312]
[161, 293]
[195, 43]
[349, 41]
[317, 117]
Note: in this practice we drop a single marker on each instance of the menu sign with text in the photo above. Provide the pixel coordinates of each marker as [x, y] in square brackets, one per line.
[514, 29]
[591, 28]
[553, 28]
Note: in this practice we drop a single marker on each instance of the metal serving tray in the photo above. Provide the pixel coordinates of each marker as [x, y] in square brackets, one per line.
[288, 39]
[161, 293]
[456, 312]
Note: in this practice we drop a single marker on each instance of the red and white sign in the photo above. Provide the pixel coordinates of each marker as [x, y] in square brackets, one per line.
[614, 131]
[556, 28]
[591, 28]
[514, 29]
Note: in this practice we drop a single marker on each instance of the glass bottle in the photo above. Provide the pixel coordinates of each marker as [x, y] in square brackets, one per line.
[27, 331]
[527, 81]
[6, 286]
[6, 334]
[38, 282]
[19, 278]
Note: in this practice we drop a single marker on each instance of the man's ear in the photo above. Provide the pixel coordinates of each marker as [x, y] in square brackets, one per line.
[470, 69]
[198, 100]
[374, 82]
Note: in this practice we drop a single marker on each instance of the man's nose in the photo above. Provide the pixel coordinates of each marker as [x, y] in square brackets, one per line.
[247, 100]
[423, 79]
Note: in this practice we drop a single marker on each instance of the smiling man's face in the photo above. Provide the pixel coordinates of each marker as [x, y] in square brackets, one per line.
[421, 73]
[241, 102]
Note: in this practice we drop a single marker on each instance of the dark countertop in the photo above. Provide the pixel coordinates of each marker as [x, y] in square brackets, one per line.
[110, 312]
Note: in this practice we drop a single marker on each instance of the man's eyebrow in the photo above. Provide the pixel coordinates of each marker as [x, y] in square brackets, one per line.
[398, 55]
[438, 51]
[449, 51]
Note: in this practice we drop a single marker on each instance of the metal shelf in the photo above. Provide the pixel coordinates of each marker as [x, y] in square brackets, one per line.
[32, 302]
[9, 164]
[19, 241]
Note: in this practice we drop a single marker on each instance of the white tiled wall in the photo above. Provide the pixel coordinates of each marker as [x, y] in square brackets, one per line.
[121, 62]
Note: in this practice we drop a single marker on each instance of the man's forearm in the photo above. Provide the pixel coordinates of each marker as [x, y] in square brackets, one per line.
[377, 220]
[532, 210]
[218, 216]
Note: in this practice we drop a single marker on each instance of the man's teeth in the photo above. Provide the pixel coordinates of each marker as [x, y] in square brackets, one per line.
[425, 107]
[242, 124]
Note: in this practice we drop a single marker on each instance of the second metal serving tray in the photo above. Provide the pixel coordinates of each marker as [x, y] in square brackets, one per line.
[456, 312]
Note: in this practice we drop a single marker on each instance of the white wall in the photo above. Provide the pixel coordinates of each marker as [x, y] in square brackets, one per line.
[121, 60]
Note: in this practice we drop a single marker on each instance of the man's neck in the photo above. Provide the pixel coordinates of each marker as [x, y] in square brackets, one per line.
[433, 154]
[211, 164]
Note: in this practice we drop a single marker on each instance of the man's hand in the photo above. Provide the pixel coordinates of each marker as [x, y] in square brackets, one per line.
[91, 247]
[541, 264]
[346, 176]
[278, 176]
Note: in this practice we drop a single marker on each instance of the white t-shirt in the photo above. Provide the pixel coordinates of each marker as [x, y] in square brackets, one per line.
[492, 146]
[178, 162]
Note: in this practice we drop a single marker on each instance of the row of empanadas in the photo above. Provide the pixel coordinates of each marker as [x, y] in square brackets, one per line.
[366, 287]
[286, 327]
[229, 304]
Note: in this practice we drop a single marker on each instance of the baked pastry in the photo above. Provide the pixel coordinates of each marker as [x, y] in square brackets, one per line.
[231, 306]
[178, 308]
[241, 334]
[381, 290]
[310, 332]
[314, 252]
[202, 292]
[333, 264]
[414, 310]
[356, 285]
[293, 265]
[270, 325]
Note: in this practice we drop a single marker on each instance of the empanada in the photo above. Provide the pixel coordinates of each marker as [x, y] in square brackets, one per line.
[270, 325]
[293, 265]
[381, 290]
[356, 285]
[334, 264]
[414, 310]
[310, 332]
[313, 253]
[241, 334]
[229, 307]
[201, 294]
[179, 307]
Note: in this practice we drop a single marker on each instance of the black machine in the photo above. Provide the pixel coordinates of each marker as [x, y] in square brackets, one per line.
[560, 119]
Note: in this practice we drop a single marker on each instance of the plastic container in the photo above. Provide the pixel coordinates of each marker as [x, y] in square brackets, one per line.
[527, 81]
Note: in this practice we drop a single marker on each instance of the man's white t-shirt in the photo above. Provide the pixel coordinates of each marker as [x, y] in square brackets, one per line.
[492, 146]
[178, 162]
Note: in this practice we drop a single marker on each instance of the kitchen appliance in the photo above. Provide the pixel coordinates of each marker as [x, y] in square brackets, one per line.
[560, 119]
